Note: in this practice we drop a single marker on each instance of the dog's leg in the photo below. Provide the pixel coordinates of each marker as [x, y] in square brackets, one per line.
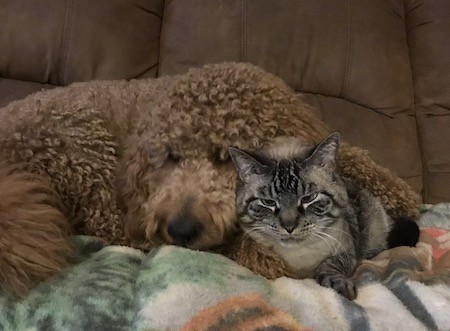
[34, 242]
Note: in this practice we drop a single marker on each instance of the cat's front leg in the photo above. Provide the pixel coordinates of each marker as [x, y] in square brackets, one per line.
[336, 272]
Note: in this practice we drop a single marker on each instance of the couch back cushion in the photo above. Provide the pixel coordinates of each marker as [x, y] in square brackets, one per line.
[428, 25]
[349, 58]
[60, 42]
[356, 50]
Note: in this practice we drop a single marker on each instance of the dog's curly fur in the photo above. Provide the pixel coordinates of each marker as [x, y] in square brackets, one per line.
[30, 251]
[123, 160]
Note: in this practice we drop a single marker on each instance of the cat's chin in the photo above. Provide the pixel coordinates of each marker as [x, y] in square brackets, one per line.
[289, 242]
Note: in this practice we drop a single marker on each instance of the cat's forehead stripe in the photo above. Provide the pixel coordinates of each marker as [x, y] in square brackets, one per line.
[286, 178]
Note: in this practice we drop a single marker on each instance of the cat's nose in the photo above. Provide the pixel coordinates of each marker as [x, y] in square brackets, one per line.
[289, 218]
[184, 230]
[289, 226]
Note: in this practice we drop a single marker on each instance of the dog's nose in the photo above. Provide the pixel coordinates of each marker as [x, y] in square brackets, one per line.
[184, 230]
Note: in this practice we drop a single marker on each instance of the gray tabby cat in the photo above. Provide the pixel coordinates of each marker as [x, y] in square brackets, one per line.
[291, 199]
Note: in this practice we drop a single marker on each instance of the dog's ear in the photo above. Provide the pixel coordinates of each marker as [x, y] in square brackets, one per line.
[136, 167]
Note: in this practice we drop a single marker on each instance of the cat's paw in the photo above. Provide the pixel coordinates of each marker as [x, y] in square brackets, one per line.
[340, 283]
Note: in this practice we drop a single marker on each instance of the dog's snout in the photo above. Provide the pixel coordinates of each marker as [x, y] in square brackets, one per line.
[184, 230]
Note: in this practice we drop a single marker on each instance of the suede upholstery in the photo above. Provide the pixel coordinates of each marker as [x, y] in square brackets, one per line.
[376, 70]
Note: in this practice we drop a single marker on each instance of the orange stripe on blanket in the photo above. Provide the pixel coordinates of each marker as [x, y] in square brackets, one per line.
[242, 313]
[439, 239]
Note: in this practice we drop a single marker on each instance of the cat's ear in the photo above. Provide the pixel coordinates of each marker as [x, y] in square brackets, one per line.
[325, 153]
[246, 165]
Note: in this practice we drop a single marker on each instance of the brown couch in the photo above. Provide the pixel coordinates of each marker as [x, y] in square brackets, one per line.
[376, 70]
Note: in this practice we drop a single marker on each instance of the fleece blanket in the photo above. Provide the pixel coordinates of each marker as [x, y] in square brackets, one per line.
[171, 288]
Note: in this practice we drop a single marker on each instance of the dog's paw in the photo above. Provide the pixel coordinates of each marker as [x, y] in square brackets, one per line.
[340, 283]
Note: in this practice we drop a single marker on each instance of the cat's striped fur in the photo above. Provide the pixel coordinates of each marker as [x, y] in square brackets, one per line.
[291, 198]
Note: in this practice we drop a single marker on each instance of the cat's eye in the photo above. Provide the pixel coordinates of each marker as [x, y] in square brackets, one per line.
[268, 203]
[309, 198]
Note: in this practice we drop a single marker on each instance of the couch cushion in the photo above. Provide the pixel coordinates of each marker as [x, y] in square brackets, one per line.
[392, 142]
[355, 50]
[60, 42]
[351, 57]
[435, 143]
[428, 25]
[11, 90]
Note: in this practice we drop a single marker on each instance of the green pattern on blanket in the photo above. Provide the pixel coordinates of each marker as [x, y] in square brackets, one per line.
[98, 293]
[120, 288]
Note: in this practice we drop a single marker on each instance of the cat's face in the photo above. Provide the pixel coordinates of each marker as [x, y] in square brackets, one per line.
[290, 198]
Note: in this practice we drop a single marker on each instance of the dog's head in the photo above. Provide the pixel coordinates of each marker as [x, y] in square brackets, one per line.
[170, 185]
[186, 202]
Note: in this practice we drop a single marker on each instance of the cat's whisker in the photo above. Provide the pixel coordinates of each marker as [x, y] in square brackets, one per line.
[251, 231]
[332, 238]
[336, 229]
[330, 242]
[324, 240]
[343, 248]
[256, 229]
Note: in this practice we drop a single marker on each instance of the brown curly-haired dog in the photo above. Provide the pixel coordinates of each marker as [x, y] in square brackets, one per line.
[145, 162]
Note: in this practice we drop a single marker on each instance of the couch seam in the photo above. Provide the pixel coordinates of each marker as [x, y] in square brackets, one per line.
[376, 110]
[424, 164]
[161, 32]
[319, 106]
[418, 126]
[65, 43]
[243, 31]
[349, 58]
